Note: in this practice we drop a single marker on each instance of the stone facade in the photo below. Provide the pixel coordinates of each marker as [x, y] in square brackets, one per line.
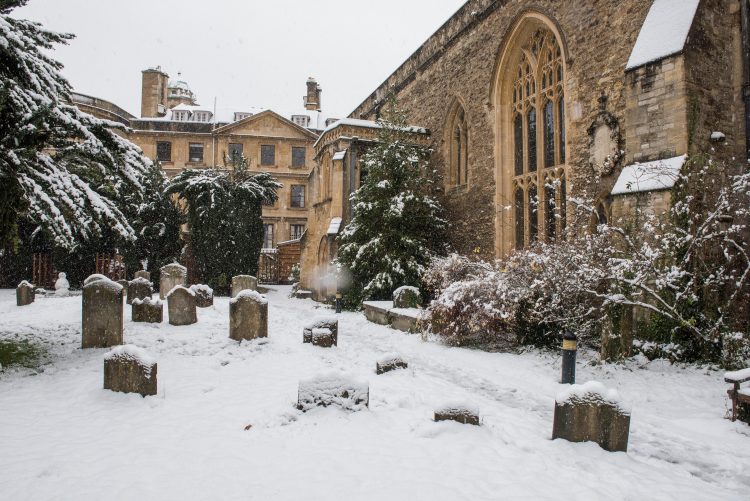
[613, 115]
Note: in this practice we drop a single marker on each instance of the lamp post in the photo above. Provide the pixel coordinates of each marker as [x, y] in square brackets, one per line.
[338, 302]
[569, 351]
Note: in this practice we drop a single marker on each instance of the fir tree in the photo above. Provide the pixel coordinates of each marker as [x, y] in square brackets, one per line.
[396, 226]
[224, 210]
[60, 169]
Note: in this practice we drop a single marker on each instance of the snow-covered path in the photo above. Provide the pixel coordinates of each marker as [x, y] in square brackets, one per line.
[63, 437]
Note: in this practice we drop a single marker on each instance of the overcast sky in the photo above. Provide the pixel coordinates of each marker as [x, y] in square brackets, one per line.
[243, 52]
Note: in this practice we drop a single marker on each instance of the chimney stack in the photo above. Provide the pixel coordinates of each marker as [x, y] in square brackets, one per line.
[312, 99]
[154, 93]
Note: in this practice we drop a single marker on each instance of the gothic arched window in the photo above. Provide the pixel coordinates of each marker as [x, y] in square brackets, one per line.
[538, 122]
[458, 173]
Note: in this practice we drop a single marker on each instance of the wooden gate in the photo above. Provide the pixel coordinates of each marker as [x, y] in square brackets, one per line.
[43, 273]
[111, 266]
[268, 266]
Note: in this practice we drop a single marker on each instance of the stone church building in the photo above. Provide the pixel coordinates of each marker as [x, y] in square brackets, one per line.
[529, 103]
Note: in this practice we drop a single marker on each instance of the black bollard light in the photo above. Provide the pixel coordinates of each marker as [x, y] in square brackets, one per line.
[338, 302]
[569, 350]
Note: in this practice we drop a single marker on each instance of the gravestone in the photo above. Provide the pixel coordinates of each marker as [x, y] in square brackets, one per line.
[324, 391]
[407, 297]
[62, 286]
[204, 295]
[591, 413]
[25, 294]
[94, 278]
[390, 363]
[243, 282]
[324, 338]
[139, 288]
[129, 369]
[171, 276]
[460, 413]
[124, 284]
[148, 310]
[181, 306]
[146, 275]
[102, 314]
[330, 323]
[248, 316]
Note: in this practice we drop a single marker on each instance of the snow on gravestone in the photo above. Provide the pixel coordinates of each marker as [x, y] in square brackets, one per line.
[139, 288]
[330, 323]
[148, 310]
[170, 277]
[25, 294]
[324, 338]
[248, 316]
[129, 369]
[390, 363]
[143, 274]
[592, 413]
[204, 295]
[102, 314]
[94, 278]
[333, 389]
[243, 282]
[459, 412]
[181, 306]
[407, 297]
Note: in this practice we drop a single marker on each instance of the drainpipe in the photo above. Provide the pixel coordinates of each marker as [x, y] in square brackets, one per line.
[745, 16]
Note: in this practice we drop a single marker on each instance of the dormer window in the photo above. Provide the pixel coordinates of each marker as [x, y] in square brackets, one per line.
[180, 116]
[301, 120]
[201, 116]
[241, 116]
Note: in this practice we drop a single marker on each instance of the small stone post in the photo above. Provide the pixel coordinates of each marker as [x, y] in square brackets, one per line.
[181, 306]
[172, 275]
[248, 316]
[102, 314]
[243, 282]
[25, 294]
[330, 323]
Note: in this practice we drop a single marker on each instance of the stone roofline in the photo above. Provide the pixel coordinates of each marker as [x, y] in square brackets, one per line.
[469, 15]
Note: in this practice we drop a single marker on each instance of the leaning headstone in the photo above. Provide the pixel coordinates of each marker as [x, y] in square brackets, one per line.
[592, 413]
[62, 286]
[102, 314]
[204, 295]
[344, 392]
[94, 278]
[330, 323]
[129, 369]
[171, 276]
[143, 274]
[139, 288]
[181, 306]
[25, 294]
[248, 316]
[390, 363]
[407, 297]
[150, 311]
[460, 413]
[242, 283]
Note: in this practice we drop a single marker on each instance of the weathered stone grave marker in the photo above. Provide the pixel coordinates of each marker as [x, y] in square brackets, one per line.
[460, 413]
[243, 282]
[248, 316]
[330, 323]
[171, 276]
[129, 369]
[592, 413]
[146, 275]
[344, 392]
[181, 306]
[390, 363]
[204, 295]
[139, 288]
[25, 294]
[102, 314]
[148, 310]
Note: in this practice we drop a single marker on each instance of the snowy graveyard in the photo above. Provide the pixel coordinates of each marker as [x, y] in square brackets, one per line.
[235, 420]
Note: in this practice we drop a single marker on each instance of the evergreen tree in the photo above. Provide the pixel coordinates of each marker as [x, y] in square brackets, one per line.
[224, 210]
[396, 226]
[157, 222]
[60, 169]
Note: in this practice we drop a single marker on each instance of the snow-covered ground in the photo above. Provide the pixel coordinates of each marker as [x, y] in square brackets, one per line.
[64, 437]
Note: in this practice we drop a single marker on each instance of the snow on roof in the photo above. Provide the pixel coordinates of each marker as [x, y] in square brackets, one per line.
[339, 155]
[367, 124]
[179, 84]
[664, 32]
[649, 176]
[335, 226]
